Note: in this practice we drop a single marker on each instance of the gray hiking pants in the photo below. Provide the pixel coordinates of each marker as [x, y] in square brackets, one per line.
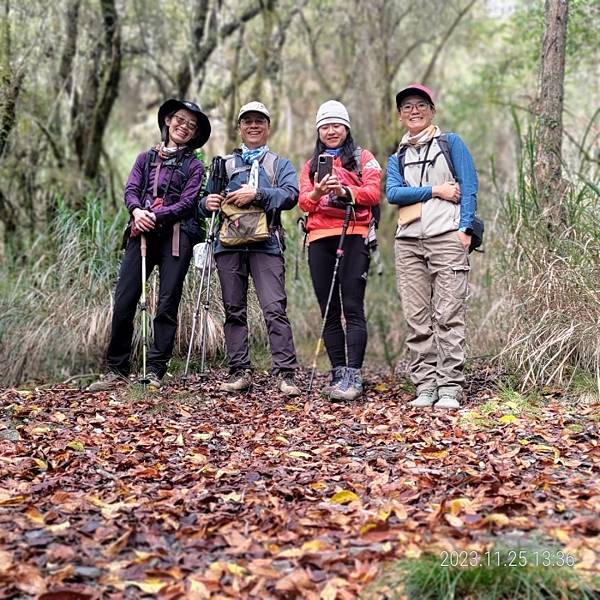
[432, 277]
[268, 274]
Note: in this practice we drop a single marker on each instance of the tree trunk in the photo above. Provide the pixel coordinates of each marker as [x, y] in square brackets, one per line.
[549, 124]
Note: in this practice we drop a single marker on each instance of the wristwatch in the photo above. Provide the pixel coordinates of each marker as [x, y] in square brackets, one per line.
[259, 197]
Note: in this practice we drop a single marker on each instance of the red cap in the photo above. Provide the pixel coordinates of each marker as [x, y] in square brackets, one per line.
[415, 89]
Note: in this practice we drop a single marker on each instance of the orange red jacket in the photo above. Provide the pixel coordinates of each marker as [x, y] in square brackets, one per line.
[325, 220]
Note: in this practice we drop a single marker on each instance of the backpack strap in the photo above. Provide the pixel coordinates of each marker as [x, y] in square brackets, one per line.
[445, 148]
[268, 161]
[357, 154]
[442, 141]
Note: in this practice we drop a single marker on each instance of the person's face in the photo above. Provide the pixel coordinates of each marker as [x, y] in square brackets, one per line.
[254, 129]
[182, 127]
[333, 135]
[416, 113]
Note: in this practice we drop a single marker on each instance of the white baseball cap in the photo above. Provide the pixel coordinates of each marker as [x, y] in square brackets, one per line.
[254, 106]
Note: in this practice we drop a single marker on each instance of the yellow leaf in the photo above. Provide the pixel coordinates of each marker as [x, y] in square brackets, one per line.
[151, 585]
[12, 500]
[384, 514]
[458, 504]
[25, 393]
[40, 463]
[506, 419]
[292, 407]
[367, 527]
[77, 446]
[236, 569]
[511, 404]
[298, 454]
[561, 535]
[290, 553]
[524, 442]
[544, 448]
[39, 430]
[398, 437]
[35, 515]
[431, 454]
[282, 439]
[317, 485]
[381, 387]
[315, 546]
[58, 528]
[343, 497]
[202, 436]
[497, 519]
[179, 441]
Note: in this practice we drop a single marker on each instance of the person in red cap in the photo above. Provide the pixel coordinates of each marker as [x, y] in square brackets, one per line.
[432, 180]
[160, 195]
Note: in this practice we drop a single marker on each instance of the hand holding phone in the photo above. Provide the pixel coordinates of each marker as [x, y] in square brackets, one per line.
[324, 166]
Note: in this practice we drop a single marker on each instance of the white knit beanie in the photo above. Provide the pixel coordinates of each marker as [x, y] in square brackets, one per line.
[332, 111]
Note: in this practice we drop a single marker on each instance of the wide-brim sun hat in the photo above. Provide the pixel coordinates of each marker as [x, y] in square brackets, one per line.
[173, 105]
[415, 89]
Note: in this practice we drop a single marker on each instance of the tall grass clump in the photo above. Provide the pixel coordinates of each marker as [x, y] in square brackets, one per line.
[56, 302]
[551, 266]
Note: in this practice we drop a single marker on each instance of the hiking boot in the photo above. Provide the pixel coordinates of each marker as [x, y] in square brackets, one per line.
[107, 381]
[337, 374]
[152, 379]
[448, 401]
[287, 385]
[350, 387]
[239, 381]
[425, 398]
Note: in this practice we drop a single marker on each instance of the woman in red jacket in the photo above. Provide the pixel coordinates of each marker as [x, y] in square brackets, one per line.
[356, 179]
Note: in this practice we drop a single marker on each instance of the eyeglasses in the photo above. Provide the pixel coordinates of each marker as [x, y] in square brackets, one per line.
[183, 121]
[408, 108]
[247, 121]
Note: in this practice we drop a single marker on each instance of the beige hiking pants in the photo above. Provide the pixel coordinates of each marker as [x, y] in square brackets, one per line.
[432, 277]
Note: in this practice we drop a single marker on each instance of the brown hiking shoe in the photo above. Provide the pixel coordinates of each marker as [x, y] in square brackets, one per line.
[108, 381]
[287, 385]
[239, 381]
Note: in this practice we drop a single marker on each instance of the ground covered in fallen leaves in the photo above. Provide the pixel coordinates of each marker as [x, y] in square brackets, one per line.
[187, 492]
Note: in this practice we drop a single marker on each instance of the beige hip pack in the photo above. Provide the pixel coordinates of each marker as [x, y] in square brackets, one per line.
[243, 225]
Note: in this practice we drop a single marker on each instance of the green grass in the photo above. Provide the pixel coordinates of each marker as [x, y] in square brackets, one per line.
[519, 573]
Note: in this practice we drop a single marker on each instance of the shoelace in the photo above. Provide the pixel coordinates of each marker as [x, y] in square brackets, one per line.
[347, 380]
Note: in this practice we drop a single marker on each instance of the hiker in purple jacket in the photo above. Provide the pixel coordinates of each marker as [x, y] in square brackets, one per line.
[160, 196]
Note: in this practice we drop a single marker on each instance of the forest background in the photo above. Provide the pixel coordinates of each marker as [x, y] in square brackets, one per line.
[81, 82]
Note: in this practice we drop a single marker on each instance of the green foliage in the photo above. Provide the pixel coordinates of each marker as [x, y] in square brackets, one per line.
[544, 575]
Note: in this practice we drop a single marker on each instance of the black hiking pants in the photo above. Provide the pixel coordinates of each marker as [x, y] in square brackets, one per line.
[345, 349]
[172, 271]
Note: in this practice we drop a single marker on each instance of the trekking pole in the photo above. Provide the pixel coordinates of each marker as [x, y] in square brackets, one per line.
[209, 242]
[339, 254]
[143, 308]
[206, 305]
[218, 176]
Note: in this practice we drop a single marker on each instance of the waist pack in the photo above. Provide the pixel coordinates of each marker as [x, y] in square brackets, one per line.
[243, 225]
[477, 229]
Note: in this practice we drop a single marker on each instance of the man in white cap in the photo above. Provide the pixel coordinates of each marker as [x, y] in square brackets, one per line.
[259, 178]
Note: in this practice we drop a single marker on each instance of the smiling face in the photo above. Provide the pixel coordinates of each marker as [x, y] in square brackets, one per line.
[183, 126]
[254, 129]
[333, 135]
[416, 113]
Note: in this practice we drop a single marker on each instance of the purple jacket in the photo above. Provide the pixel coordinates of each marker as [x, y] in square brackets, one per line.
[180, 199]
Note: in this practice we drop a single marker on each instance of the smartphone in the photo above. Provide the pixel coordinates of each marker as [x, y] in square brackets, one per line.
[324, 166]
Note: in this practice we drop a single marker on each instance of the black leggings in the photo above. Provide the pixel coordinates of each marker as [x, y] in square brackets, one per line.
[348, 294]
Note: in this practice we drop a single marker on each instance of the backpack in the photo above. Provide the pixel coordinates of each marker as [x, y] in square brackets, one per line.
[195, 225]
[477, 226]
[249, 224]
